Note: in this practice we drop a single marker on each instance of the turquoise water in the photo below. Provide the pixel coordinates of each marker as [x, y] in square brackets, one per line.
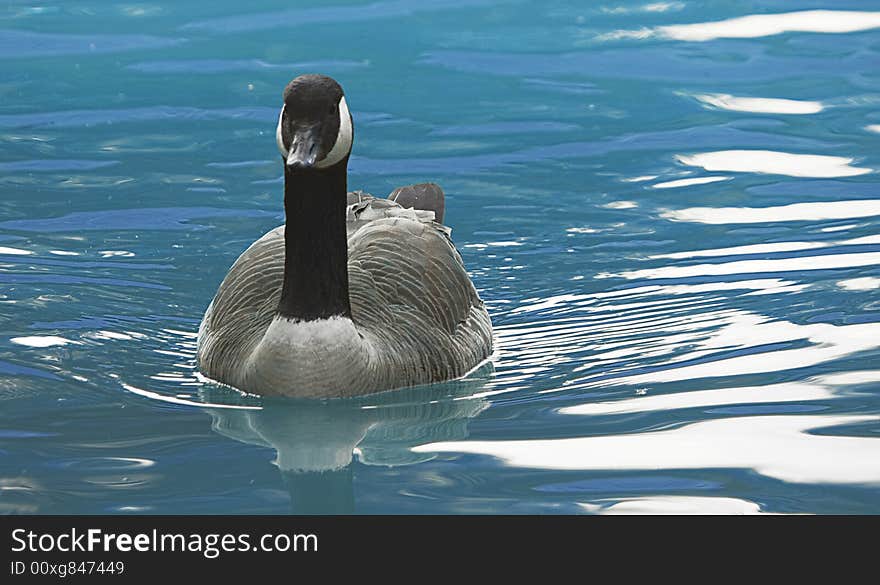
[671, 213]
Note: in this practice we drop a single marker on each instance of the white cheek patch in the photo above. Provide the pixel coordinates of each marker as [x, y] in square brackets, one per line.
[279, 139]
[342, 146]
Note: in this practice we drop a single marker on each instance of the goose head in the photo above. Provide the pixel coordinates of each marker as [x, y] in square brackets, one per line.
[314, 131]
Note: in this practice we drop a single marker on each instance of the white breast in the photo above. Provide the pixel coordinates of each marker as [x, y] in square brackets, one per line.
[315, 355]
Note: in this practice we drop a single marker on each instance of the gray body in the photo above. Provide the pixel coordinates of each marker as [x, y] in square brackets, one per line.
[415, 315]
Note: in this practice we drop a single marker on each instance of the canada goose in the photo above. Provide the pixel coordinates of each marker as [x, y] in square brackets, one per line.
[353, 294]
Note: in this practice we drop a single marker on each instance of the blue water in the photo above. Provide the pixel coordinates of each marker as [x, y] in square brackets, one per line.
[671, 214]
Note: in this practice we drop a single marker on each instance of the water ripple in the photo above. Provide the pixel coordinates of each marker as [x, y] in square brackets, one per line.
[331, 14]
[163, 218]
[210, 66]
[818, 211]
[18, 44]
[775, 446]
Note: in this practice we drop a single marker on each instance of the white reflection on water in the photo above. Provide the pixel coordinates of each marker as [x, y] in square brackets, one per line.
[763, 25]
[773, 162]
[865, 283]
[850, 378]
[759, 105]
[620, 205]
[874, 239]
[42, 341]
[651, 7]
[688, 182]
[128, 336]
[823, 210]
[839, 228]
[782, 447]
[14, 251]
[673, 505]
[826, 262]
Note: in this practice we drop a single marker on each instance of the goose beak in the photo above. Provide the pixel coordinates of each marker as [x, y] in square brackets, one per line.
[304, 151]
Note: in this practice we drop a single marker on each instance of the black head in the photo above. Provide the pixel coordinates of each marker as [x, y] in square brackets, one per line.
[314, 128]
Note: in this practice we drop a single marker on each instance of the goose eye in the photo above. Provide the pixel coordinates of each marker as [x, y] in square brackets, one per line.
[331, 109]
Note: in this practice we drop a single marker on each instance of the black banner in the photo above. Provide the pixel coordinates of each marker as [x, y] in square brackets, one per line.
[114, 548]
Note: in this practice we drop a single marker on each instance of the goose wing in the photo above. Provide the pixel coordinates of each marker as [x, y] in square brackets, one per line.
[243, 307]
[410, 291]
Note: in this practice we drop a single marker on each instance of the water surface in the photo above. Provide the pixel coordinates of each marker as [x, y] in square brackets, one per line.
[671, 211]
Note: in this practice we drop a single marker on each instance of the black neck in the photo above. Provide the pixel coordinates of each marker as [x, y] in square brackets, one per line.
[315, 245]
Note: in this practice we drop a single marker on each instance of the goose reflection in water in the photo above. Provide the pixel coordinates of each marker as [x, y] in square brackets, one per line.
[316, 441]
